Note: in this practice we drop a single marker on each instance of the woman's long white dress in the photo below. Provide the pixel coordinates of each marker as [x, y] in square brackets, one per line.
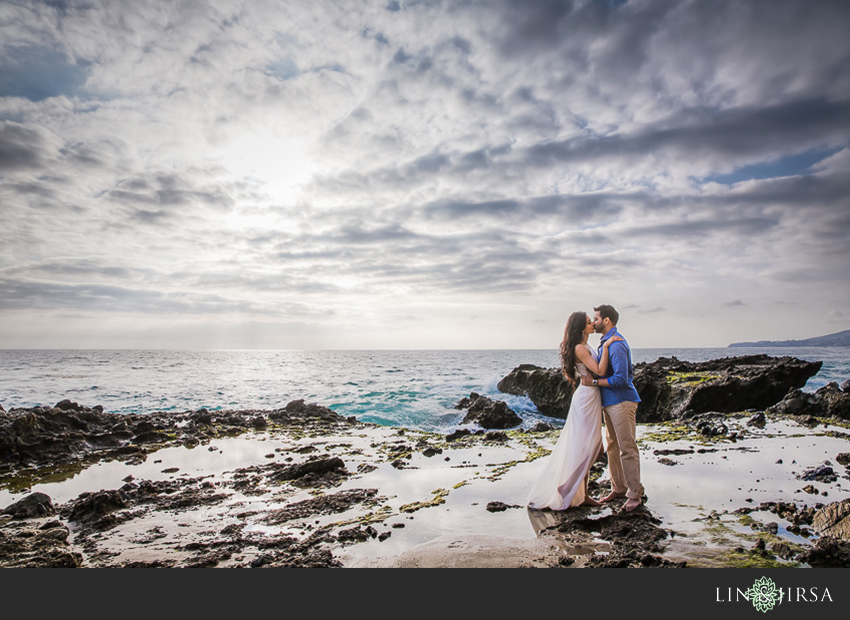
[559, 484]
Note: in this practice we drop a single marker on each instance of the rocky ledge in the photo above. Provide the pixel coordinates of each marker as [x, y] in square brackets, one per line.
[673, 389]
[69, 432]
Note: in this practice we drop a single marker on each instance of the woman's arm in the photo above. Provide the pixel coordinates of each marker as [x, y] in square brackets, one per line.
[588, 360]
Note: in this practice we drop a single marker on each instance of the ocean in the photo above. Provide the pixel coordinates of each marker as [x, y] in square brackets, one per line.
[413, 389]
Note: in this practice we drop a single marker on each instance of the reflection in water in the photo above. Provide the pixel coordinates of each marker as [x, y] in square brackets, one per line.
[542, 519]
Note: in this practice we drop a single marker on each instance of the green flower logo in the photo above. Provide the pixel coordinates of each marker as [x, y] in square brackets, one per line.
[764, 594]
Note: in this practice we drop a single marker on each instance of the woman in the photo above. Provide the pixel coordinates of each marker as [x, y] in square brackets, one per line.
[563, 480]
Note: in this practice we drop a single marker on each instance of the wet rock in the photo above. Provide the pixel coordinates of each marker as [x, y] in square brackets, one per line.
[829, 400]
[758, 420]
[497, 507]
[488, 413]
[90, 507]
[498, 436]
[712, 428]
[67, 405]
[634, 536]
[821, 473]
[461, 432]
[540, 427]
[354, 534]
[297, 409]
[809, 421]
[833, 520]
[547, 388]
[827, 553]
[671, 389]
[783, 550]
[33, 505]
[673, 451]
[317, 466]
[25, 544]
[325, 504]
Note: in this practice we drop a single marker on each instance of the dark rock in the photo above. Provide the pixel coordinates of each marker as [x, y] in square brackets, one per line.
[461, 432]
[760, 544]
[807, 420]
[829, 400]
[540, 427]
[843, 458]
[758, 420]
[429, 451]
[833, 520]
[498, 436]
[67, 405]
[354, 534]
[90, 507]
[671, 389]
[547, 388]
[821, 473]
[497, 507]
[488, 413]
[27, 545]
[384, 535]
[318, 466]
[827, 553]
[845, 385]
[33, 505]
[712, 428]
[298, 409]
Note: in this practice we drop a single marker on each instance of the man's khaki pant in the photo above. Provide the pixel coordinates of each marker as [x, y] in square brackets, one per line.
[623, 455]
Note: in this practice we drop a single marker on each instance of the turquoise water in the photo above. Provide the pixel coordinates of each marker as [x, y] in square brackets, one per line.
[415, 389]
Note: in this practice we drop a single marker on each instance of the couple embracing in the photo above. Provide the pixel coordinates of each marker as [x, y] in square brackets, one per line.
[604, 388]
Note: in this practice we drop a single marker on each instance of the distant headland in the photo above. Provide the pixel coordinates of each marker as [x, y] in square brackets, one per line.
[838, 339]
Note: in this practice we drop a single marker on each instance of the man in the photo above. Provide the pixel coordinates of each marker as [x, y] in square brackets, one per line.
[619, 406]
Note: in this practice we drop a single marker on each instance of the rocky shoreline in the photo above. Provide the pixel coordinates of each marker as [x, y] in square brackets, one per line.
[307, 487]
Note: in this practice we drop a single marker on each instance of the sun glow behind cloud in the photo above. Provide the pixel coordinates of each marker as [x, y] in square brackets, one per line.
[281, 165]
[432, 174]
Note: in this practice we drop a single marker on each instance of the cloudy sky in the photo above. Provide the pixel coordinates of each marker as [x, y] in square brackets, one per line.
[421, 173]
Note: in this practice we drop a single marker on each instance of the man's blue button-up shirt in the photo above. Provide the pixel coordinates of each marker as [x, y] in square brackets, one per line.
[620, 372]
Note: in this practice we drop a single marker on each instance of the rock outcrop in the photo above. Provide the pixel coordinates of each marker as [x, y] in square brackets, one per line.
[833, 520]
[488, 413]
[830, 400]
[547, 388]
[671, 389]
[69, 432]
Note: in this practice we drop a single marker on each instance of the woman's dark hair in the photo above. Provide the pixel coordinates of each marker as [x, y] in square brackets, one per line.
[573, 334]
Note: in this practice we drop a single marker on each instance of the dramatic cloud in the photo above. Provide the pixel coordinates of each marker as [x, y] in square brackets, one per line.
[372, 174]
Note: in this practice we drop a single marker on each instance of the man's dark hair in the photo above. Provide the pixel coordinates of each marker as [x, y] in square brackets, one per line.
[608, 312]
